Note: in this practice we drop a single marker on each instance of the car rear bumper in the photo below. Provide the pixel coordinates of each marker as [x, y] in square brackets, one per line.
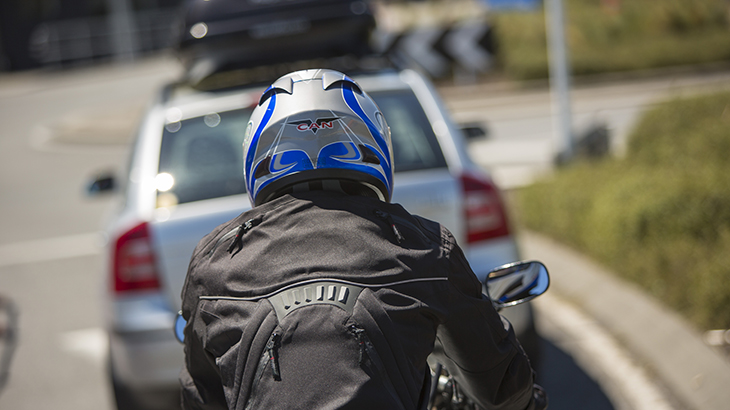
[487, 255]
[144, 353]
[146, 360]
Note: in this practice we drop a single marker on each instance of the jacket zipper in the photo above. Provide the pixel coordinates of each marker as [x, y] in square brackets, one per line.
[236, 233]
[272, 348]
[269, 357]
[367, 350]
[389, 219]
[224, 238]
[360, 336]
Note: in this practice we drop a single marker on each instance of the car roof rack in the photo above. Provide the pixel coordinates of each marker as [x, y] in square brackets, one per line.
[234, 78]
[226, 78]
[226, 43]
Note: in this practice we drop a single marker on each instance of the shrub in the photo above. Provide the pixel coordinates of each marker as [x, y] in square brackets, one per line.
[660, 216]
[637, 34]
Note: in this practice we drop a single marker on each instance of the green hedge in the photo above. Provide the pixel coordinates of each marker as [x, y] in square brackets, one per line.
[660, 216]
[637, 34]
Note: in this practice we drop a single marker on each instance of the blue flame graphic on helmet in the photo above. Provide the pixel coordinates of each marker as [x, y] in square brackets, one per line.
[348, 156]
[383, 148]
[337, 153]
[250, 180]
[288, 161]
[281, 164]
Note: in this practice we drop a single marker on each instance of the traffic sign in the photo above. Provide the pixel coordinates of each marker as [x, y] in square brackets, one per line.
[513, 4]
[468, 46]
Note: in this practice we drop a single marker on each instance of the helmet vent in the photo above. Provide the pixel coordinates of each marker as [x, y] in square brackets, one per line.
[331, 78]
[368, 155]
[283, 84]
[263, 168]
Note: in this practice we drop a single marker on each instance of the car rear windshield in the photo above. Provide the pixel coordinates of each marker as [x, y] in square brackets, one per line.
[202, 158]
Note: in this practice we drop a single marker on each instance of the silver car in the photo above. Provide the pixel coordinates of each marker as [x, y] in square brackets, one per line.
[185, 177]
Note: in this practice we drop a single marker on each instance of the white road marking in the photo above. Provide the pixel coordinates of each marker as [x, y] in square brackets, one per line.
[595, 345]
[43, 250]
[43, 138]
[91, 343]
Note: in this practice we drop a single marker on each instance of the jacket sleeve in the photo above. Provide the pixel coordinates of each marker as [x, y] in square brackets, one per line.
[478, 346]
[200, 378]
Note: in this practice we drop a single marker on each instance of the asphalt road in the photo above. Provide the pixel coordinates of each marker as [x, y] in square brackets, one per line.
[522, 145]
[49, 251]
[60, 128]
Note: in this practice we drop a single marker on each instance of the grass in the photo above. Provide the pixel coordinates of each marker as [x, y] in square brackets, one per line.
[635, 35]
[660, 216]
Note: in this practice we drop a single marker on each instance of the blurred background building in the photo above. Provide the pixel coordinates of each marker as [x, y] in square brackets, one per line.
[35, 33]
[69, 33]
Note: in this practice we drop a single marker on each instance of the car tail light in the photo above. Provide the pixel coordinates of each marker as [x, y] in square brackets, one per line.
[485, 214]
[134, 261]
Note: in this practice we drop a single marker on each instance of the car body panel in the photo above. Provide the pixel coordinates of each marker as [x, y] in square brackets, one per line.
[176, 236]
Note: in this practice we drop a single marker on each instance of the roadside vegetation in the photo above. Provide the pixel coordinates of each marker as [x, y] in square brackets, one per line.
[617, 35]
[660, 216]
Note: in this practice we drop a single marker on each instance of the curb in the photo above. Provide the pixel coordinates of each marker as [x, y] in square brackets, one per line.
[670, 350]
[500, 84]
[627, 385]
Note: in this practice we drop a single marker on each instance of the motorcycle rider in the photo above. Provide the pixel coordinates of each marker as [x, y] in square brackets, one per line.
[325, 295]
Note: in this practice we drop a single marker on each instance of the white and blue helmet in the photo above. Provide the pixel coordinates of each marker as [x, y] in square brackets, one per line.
[317, 129]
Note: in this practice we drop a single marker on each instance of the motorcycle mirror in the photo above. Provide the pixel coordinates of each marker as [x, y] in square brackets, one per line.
[516, 283]
[179, 327]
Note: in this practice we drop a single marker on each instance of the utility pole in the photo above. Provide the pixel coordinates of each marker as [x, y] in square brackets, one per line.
[123, 30]
[559, 76]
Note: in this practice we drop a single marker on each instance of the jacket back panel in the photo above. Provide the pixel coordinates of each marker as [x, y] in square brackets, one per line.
[372, 355]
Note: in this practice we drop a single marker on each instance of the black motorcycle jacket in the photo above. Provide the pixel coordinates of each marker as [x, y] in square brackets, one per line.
[321, 300]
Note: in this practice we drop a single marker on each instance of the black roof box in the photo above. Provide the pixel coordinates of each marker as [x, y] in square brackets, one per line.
[223, 35]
